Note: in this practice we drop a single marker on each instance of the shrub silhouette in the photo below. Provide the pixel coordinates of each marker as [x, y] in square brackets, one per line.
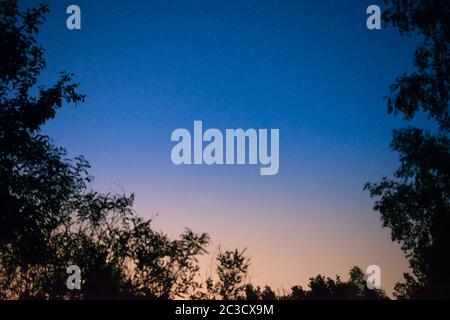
[49, 219]
[415, 204]
[322, 288]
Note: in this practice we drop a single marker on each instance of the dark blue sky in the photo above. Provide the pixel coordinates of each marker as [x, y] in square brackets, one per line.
[310, 68]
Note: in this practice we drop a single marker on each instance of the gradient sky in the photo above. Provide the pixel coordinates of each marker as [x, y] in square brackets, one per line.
[310, 68]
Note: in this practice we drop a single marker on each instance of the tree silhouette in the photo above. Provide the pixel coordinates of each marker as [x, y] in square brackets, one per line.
[252, 293]
[231, 269]
[322, 288]
[35, 181]
[48, 218]
[325, 288]
[415, 203]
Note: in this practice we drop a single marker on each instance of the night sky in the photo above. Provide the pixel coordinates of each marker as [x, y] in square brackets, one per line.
[309, 68]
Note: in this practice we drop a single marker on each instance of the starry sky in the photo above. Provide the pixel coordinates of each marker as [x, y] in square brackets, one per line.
[309, 68]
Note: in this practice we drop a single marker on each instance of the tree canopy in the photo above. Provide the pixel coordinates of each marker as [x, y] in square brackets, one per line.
[415, 203]
[49, 218]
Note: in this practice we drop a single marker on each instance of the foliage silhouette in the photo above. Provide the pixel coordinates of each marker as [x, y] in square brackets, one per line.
[252, 293]
[231, 269]
[322, 288]
[49, 219]
[415, 204]
[354, 288]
